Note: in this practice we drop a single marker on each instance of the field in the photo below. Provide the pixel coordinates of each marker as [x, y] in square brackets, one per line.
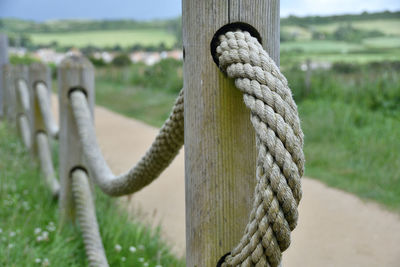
[107, 38]
[387, 26]
[30, 234]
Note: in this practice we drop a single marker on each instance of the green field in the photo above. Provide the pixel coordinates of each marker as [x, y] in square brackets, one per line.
[387, 26]
[105, 38]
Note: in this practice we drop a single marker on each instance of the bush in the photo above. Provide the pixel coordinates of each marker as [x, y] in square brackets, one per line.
[375, 86]
[121, 60]
[97, 62]
[25, 60]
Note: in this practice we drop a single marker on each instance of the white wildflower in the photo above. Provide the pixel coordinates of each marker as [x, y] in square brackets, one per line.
[123, 259]
[146, 264]
[1, 230]
[132, 249]
[46, 262]
[141, 259]
[45, 235]
[158, 265]
[39, 238]
[118, 248]
[38, 260]
[38, 231]
[11, 245]
[12, 234]
[51, 228]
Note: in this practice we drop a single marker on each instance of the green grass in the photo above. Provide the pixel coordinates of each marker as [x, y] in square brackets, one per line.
[387, 26]
[383, 42]
[146, 104]
[26, 206]
[316, 46]
[353, 149]
[104, 38]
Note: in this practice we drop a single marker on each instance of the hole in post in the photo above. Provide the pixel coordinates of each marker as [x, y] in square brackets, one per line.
[231, 27]
[75, 168]
[35, 83]
[74, 89]
[222, 259]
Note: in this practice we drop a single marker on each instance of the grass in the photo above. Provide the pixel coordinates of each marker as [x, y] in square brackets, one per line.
[383, 42]
[353, 149]
[317, 46]
[105, 38]
[146, 104]
[30, 235]
[387, 26]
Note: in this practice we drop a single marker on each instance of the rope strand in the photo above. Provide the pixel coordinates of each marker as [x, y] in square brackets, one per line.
[279, 141]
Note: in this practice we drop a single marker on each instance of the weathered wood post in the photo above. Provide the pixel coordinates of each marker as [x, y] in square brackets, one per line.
[219, 139]
[3, 60]
[9, 96]
[38, 72]
[74, 73]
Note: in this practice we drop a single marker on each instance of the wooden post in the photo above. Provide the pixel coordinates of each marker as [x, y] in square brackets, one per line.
[9, 96]
[38, 72]
[3, 60]
[219, 139]
[74, 73]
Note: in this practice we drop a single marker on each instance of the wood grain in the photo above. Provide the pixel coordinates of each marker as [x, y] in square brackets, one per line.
[3, 60]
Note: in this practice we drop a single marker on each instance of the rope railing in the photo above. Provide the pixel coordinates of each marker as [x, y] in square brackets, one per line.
[45, 109]
[23, 95]
[163, 150]
[46, 163]
[274, 117]
[23, 111]
[86, 216]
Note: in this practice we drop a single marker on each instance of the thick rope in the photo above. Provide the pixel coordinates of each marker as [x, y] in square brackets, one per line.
[23, 95]
[163, 150]
[46, 163]
[86, 215]
[45, 110]
[24, 130]
[279, 141]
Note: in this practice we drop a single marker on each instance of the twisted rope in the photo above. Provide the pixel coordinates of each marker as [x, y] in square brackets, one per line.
[23, 108]
[279, 141]
[46, 163]
[45, 110]
[24, 129]
[87, 219]
[23, 95]
[162, 151]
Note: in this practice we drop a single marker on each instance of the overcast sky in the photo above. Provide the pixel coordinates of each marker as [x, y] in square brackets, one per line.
[41, 10]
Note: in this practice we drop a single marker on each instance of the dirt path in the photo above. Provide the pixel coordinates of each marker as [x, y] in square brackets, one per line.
[335, 228]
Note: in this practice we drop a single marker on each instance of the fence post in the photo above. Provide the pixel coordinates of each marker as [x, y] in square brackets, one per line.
[38, 72]
[74, 73]
[219, 139]
[3, 60]
[9, 96]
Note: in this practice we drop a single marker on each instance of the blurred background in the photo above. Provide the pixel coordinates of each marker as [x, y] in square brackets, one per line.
[341, 58]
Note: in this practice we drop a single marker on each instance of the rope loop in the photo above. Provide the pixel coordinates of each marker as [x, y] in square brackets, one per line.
[279, 141]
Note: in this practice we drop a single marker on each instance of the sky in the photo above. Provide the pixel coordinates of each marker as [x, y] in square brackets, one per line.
[42, 10]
